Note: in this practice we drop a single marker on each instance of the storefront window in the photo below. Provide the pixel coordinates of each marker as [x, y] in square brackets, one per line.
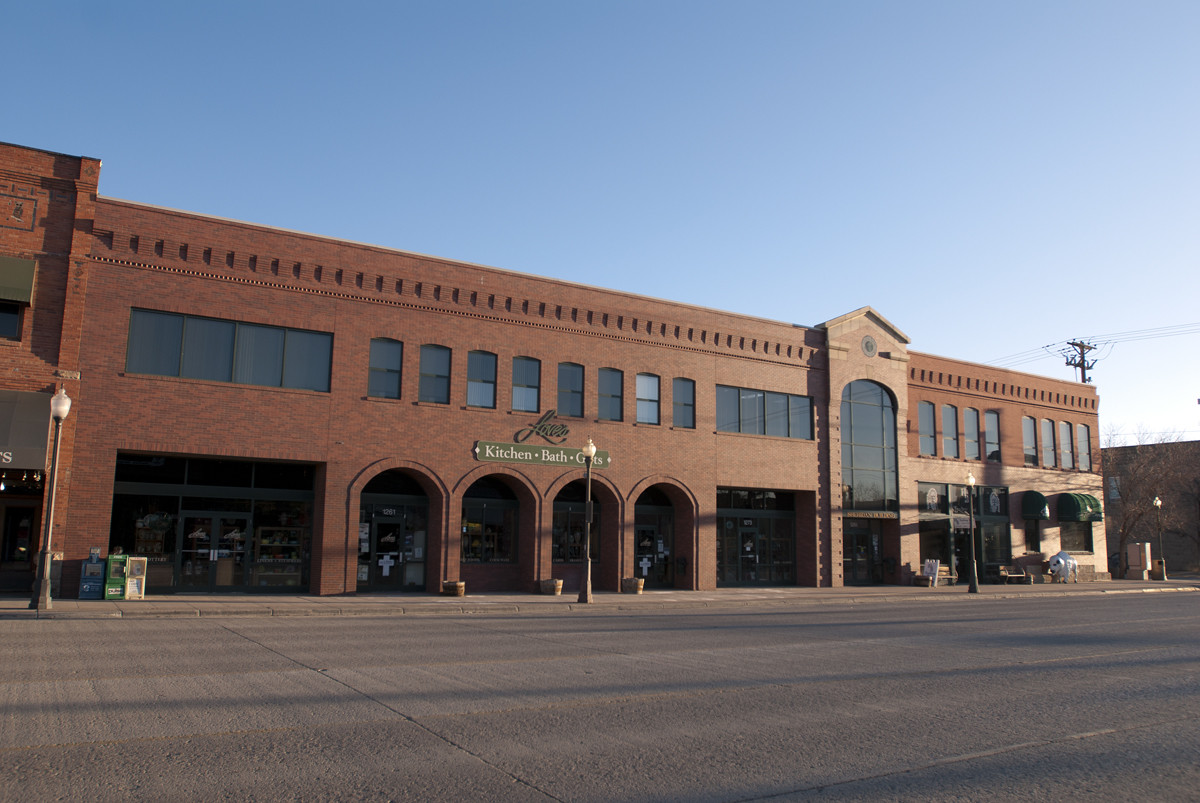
[489, 523]
[237, 525]
[756, 537]
[569, 525]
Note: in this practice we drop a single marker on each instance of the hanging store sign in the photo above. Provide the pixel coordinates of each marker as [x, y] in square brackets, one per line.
[490, 452]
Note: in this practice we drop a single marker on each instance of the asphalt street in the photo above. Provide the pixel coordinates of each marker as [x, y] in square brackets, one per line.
[1077, 697]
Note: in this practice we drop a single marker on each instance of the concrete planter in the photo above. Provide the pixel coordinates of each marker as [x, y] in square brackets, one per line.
[552, 587]
[632, 585]
[452, 588]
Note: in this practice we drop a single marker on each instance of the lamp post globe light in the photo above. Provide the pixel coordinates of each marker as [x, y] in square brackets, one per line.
[585, 587]
[974, 587]
[60, 405]
[1162, 557]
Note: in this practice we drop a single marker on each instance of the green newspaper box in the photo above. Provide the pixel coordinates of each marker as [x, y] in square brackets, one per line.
[114, 577]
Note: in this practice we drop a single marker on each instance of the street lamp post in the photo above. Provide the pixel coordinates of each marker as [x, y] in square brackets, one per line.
[585, 588]
[974, 587]
[1162, 556]
[60, 405]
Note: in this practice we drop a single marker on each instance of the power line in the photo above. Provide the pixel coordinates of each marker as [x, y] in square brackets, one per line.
[1074, 351]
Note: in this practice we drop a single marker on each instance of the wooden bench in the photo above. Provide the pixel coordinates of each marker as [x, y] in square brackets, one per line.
[944, 577]
[1015, 574]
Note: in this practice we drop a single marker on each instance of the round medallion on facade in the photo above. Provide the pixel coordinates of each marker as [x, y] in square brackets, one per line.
[869, 347]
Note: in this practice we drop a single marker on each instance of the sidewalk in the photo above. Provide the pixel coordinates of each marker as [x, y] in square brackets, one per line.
[191, 606]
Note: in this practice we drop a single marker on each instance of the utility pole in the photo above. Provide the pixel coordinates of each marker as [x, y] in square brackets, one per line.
[1079, 359]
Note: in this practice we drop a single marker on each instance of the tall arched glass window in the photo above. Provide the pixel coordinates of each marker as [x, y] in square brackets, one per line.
[869, 478]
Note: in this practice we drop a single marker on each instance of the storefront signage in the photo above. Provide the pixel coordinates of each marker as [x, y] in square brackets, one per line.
[869, 514]
[490, 452]
[544, 429]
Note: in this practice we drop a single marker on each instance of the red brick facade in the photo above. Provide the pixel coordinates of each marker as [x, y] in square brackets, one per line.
[97, 259]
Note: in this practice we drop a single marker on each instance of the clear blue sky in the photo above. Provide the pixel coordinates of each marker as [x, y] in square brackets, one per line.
[992, 177]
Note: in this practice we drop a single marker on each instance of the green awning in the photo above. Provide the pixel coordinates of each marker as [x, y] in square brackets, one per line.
[1034, 507]
[1079, 507]
[16, 279]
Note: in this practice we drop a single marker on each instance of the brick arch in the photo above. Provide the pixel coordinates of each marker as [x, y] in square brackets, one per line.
[523, 573]
[686, 535]
[607, 573]
[439, 501]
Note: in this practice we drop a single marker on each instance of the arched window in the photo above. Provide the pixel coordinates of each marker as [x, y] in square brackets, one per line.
[869, 478]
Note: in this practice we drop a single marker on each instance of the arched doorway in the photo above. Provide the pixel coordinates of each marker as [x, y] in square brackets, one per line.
[393, 528]
[654, 560]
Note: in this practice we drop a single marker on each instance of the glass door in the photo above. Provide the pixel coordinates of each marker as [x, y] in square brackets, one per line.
[751, 549]
[392, 556]
[862, 561]
[213, 553]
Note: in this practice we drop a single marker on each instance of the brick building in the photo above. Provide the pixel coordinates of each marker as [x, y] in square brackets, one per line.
[259, 409]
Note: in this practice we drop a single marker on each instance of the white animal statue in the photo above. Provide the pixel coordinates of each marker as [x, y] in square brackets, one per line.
[1063, 567]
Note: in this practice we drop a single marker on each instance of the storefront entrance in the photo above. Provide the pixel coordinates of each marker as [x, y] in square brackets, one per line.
[756, 537]
[213, 556]
[394, 559]
[862, 558]
[652, 558]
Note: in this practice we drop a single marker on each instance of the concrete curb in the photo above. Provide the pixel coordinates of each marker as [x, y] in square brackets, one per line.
[242, 607]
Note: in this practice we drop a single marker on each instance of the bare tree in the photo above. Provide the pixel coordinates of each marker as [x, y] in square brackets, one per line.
[1134, 476]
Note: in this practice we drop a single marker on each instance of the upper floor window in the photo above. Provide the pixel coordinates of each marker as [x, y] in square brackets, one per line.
[610, 387]
[383, 379]
[759, 412]
[971, 433]
[926, 424]
[991, 435]
[526, 384]
[683, 403]
[570, 389]
[647, 399]
[1048, 458]
[481, 379]
[1029, 440]
[435, 374]
[869, 473]
[16, 292]
[1083, 446]
[170, 344]
[10, 320]
[949, 430]
[1066, 445]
